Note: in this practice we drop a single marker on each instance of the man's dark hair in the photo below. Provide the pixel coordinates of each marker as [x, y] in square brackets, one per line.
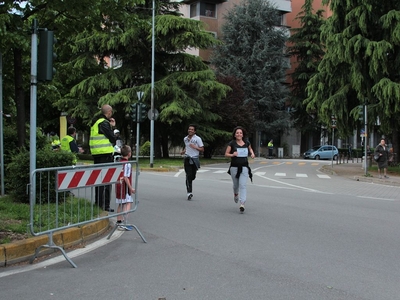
[71, 130]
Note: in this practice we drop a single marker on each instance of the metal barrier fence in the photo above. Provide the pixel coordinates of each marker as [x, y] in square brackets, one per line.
[65, 197]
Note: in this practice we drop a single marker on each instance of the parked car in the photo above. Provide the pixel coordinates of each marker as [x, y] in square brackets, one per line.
[322, 152]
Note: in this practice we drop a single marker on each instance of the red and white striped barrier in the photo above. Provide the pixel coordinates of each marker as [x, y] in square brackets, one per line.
[72, 179]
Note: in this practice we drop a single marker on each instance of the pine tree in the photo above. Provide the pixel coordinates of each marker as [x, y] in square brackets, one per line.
[253, 51]
[361, 65]
[185, 87]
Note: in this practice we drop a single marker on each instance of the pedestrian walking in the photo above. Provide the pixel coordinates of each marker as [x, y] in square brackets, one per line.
[101, 142]
[238, 150]
[383, 152]
[193, 146]
[270, 148]
[124, 190]
[350, 151]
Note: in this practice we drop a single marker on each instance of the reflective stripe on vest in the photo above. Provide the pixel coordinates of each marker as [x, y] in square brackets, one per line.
[65, 143]
[98, 142]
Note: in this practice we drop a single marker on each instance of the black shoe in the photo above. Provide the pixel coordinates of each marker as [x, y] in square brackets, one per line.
[190, 196]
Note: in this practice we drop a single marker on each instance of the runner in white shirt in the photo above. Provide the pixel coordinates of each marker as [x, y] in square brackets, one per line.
[193, 147]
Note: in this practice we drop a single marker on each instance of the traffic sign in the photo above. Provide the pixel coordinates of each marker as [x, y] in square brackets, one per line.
[333, 123]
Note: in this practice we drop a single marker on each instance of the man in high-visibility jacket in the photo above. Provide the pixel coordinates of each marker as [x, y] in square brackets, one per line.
[101, 142]
[68, 143]
[270, 148]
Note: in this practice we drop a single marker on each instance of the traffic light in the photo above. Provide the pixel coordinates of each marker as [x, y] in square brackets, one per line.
[134, 111]
[46, 55]
[361, 113]
[142, 113]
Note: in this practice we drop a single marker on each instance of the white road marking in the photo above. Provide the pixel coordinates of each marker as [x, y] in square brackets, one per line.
[280, 174]
[323, 176]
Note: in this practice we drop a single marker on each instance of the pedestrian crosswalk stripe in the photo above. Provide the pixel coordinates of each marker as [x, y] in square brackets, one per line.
[323, 176]
[280, 174]
[298, 175]
[301, 175]
[259, 173]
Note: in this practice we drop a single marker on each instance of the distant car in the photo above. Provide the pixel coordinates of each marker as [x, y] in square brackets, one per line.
[322, 152]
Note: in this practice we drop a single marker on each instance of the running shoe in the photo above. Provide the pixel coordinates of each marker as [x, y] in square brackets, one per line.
[236, 198]
[121, 228]
[128, 227]
[241, 208]
[190, 196]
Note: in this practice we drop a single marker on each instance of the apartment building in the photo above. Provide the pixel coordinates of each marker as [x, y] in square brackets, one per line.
[211, 13]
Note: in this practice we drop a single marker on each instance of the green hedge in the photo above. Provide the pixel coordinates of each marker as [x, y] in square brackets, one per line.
[18, 173]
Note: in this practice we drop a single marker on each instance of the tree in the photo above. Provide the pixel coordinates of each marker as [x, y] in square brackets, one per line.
[233, 112]
[307, 50]
[253, 51]
[185, 87]
[66, 18]
[361, 65]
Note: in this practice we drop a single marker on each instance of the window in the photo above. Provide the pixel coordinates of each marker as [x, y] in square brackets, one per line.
[193, 10]
[203, 9]
[207, 9]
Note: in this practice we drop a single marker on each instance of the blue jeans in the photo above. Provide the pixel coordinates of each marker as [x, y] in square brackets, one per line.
[239, 184]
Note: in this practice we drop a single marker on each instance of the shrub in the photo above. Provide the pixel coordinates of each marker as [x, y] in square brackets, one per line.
[18, 173]
[145, 149]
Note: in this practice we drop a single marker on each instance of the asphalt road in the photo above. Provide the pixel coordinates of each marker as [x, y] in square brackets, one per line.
[302, 236]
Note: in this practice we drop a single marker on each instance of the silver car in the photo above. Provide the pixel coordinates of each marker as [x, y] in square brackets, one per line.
[322, 152]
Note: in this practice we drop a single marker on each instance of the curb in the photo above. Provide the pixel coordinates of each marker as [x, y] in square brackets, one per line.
[22, 251]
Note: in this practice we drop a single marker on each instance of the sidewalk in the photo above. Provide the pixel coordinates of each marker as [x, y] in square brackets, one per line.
[356, 172]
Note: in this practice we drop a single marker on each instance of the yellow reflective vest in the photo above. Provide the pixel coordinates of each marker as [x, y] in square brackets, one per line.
[65, 143]
[98, 142]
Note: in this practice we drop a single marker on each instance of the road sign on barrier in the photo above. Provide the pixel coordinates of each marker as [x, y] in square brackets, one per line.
[85, 178]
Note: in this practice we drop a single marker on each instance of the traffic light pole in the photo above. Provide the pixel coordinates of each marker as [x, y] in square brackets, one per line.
[152, 84]
[34, 56]
[137, 141]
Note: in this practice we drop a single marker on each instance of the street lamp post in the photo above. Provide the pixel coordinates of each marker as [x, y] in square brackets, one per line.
[366, 137]
[152, 86]
[140, 96]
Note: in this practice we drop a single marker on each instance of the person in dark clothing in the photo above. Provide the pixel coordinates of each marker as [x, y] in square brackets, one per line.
[350, 151]
[101, 142]
[383, 152]
[238, 150]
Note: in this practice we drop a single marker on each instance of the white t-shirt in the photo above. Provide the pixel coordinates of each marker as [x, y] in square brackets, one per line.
[127, 173]
[196, 140]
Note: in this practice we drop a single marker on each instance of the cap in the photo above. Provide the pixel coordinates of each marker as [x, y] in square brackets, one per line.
[116, 131]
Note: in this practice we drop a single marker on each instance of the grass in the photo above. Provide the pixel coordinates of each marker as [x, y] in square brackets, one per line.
[15, 217]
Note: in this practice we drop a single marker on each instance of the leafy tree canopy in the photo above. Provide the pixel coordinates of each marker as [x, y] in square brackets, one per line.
[361, 65]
